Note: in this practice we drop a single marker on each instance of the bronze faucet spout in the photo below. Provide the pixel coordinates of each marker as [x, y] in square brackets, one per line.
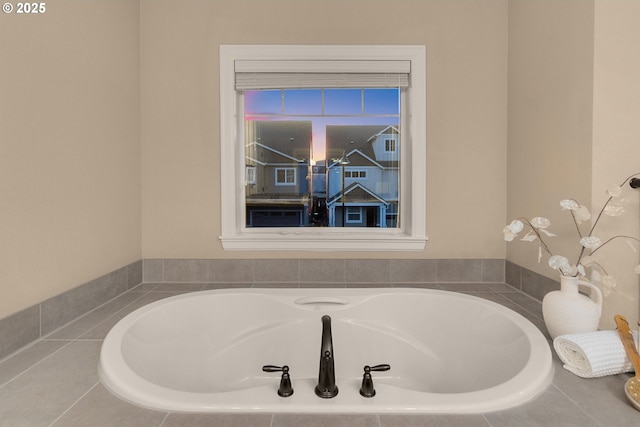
[326, 387]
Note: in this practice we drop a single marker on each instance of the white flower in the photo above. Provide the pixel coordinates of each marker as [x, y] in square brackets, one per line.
[529, 237]
[591, 242]
[614, 191]
[511, 231]
[558, 262]
[540, 222]
[595, 276]
[508, 235]
[516, 226]
[582, 214]
[569, 204]
[614, 210]
[581, 270]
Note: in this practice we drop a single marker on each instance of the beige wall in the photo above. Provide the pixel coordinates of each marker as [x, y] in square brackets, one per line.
[550, 110]
[574, 100]
[69, 147]
[616, 141]
[109, 123]
[466, 45]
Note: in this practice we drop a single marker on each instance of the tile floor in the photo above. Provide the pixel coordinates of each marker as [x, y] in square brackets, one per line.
[54, 382]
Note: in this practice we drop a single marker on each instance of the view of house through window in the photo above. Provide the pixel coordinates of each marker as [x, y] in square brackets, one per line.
[322, 157]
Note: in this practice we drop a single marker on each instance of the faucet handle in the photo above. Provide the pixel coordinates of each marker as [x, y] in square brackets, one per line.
[380, 368]
[367, 390]
[285, 389]
[274, 368]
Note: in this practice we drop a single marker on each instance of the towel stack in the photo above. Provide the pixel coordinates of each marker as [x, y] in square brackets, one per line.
[593, 354]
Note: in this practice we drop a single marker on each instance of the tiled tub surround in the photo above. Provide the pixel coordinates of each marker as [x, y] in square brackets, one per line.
[54, 381]
[26, 326]
[30, 324]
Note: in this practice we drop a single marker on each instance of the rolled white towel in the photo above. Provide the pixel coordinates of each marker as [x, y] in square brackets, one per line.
[593, 354]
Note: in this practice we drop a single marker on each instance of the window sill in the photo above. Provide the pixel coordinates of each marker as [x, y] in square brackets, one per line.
[323, 241]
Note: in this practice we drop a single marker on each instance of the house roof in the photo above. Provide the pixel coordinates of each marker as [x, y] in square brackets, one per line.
[356, 193]
[356, 140]
[270, 142]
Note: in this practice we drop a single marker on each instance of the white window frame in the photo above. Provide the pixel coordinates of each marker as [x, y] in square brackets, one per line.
[287, 172]
[410, 236]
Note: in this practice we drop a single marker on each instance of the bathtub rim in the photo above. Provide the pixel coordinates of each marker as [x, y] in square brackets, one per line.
[502, 396]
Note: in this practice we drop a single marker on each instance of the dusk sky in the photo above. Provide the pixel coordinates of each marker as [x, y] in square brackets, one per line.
[340, 107]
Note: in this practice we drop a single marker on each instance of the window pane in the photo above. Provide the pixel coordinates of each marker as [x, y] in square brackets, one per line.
[381, 101]
[263, 102]
[343, 101]
[303, 102]
[322, 161]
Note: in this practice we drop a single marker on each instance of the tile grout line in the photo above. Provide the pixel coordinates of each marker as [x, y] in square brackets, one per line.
[578, 407]
[74, 404]
[38, 362]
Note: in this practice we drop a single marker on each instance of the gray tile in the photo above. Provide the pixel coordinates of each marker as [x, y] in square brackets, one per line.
[530, 304]
[145, 287]
[605, 402]
[134, 274]
[501, 287]
[19, 329]
[95, 317]
[551, 408]
[41, 394]
[99, 408]
[465, 287]
[186, 270]
[413, 270]
[179, 287]
[277, 270]
[213, 286]
[324, 420]
[63, 308]
[218, 420]
[373, 271]
[19, 362]
[231, 270]
[512, 274]
[537, 285]
[493, 270]
[152, 270]
[437, 420]
[272, 285]
[368, 285]
[416, 285]
[322, 270]
[459, 270]
[323, 285]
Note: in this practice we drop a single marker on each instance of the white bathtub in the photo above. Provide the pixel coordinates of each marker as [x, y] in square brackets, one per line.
[204, 352]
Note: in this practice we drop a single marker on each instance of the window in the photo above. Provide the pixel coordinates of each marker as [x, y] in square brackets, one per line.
[250, 175]
[354, 215]
[285, 176]
[356, 174]
[272, 98]
[390, 145]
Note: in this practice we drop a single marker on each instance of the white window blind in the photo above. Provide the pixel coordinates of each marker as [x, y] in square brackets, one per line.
[270, 74]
